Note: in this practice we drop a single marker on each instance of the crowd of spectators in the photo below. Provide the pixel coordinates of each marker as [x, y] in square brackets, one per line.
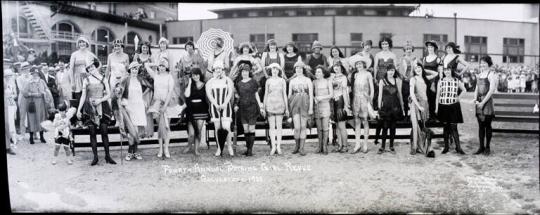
[512, 78]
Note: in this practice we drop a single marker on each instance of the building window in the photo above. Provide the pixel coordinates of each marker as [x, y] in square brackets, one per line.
[290, 12]
[23, 25]
[441, 40]
[356, 39]
[382, 12]
[253, 14]
[279, 13]
[317, 12]
[301, 12]
[329, 12]
[370, 12]
[65, 48]
[102, 48]
[181, 40]
[475, 47]
[64, 30]
[259, 40]
[242, 14]
[513, 50]
[304, 41]
[342, 12]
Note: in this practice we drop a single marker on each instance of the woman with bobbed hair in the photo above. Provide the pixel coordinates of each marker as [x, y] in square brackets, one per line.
[483, 93]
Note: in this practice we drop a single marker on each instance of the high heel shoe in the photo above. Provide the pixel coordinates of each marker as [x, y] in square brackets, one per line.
[109, 160]
[94, 162]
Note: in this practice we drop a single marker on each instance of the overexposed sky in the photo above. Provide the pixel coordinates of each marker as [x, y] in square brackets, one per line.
[511, 12]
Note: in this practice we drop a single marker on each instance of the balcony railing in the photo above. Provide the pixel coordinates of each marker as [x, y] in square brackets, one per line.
[65, 35]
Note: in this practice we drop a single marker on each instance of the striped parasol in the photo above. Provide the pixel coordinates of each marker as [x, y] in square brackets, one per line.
[207, 42]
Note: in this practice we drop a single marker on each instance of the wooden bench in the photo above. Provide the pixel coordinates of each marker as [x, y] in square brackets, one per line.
[260, 125]
[514, 113]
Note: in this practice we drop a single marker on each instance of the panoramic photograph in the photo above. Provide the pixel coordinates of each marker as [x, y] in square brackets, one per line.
[174, 107]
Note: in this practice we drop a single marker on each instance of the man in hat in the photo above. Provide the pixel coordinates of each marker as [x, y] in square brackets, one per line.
[22, 81]
[316, 58]
[50, 80]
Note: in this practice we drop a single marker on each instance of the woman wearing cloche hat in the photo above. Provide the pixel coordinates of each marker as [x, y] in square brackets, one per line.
[77, 66]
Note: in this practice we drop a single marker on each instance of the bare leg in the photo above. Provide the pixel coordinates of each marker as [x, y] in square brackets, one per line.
[297, 129]
[272, 131]
[56, 150]
[68, 155]
[357, 132]
[279, 125]
[342, 131]
[303, 130]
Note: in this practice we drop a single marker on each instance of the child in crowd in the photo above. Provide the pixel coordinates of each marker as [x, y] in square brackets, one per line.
[62, 131]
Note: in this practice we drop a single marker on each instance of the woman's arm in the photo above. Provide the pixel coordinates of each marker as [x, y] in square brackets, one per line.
[462, 61]
[281, 60]
[290, 88]
[437, 97]
[263, 59]
[431, 76]
[345, 91]
[380, 93]
[70, 70]
[108, 69]
[107, 95]
[284, 85]
[371, 87]
[412, 94]
[209, 94]
[150, 71]
[399, 84]
[310, 90]
[231, 89]
[187, 91]
[265, 97]
[375, 64]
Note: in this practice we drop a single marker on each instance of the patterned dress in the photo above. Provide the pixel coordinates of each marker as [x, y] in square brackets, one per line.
[95, 115]
[449, 106]
[299, 99]
[275, 105]
[361, 99]
[220, 91]
[322, 108]
[339, 84]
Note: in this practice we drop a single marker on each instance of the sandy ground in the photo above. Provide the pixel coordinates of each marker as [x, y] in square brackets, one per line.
[507, 181]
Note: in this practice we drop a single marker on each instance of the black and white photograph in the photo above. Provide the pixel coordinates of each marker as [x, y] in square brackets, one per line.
[184, 107]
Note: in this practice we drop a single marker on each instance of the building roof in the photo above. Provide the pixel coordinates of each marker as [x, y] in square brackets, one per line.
[315, 6]
[63, 8]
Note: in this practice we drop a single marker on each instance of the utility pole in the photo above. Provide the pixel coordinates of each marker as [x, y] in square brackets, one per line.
[455, 27]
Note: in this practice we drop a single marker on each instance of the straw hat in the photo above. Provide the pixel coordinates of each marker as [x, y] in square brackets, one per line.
[316, 44]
